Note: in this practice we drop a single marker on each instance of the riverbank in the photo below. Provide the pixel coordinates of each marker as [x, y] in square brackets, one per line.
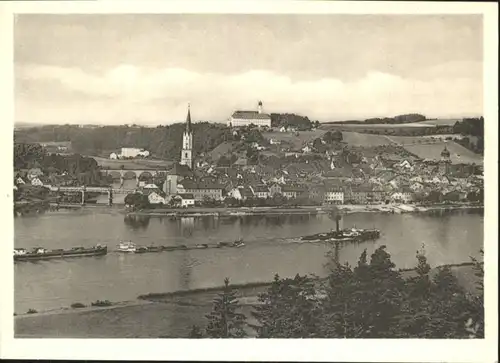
[311, 210]
[159, 314]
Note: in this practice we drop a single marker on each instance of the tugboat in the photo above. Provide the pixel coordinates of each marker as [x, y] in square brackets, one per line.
[40, 253]
[345, 235]
[127, 247]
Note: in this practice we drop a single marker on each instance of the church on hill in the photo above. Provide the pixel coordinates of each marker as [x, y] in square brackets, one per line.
[247, 118]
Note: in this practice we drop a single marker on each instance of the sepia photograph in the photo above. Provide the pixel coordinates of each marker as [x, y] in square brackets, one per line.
[200, 175]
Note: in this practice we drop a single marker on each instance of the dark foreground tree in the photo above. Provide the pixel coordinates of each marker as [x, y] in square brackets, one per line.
[371, 300]
[288, 309]
[225, 320]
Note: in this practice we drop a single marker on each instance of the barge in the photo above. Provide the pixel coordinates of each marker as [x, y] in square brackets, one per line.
[130, 247]
[40, 253]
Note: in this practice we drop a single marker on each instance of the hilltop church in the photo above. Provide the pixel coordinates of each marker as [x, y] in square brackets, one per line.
[247, 118]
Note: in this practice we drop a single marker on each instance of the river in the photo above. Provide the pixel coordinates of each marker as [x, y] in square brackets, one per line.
[272, 247]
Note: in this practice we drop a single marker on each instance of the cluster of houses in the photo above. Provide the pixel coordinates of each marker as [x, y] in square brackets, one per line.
[376, 180]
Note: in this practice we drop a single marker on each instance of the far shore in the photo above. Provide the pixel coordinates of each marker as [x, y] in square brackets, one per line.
[343, 208]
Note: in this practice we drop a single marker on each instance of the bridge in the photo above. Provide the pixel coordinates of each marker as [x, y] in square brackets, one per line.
[133, 173]
[109, 190]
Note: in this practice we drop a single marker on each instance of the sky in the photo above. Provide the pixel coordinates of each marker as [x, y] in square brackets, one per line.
[145, 69]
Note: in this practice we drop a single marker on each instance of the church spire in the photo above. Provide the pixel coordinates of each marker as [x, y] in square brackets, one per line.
[188, 119]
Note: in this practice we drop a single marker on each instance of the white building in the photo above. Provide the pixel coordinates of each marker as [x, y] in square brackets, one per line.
[247, 118]
[334, 196]
[187, 199]
[113, 156]
[129, 152]
[155, 197]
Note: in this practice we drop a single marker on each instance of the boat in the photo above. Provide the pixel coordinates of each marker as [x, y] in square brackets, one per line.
[201, 245]
[40, 253]
[238, 243]
[344, 235]
[127, 247]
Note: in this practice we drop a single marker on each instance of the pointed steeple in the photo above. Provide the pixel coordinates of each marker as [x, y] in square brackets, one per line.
[188, 119]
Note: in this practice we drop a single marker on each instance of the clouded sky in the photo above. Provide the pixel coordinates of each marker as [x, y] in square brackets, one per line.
[115, 69]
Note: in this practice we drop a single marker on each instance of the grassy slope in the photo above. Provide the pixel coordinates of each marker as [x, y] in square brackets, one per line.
[297, 141]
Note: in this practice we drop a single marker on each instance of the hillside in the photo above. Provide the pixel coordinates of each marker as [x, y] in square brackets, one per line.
[163, 142]
[458, 153]
[295, 141]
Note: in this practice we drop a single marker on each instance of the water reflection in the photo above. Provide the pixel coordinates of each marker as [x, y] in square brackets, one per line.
[137, 222]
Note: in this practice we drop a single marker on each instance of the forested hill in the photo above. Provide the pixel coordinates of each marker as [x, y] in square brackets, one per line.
[163, 141]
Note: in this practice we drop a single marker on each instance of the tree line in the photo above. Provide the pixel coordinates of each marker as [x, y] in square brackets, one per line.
[80, 168]
[400, 119]
[164, 142]
[370, 300]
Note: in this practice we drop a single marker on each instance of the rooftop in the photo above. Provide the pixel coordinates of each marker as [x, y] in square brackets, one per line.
[251, 115]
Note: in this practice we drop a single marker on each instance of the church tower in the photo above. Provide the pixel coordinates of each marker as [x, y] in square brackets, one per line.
[445, 162]
[187, 142]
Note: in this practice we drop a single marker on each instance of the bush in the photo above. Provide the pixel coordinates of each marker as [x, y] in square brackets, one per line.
[32, 311]
[102, 303]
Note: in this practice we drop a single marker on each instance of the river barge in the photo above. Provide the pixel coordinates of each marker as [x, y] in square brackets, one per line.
[130, 247]
[40, 253]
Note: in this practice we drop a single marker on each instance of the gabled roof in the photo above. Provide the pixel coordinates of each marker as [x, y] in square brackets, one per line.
[260, 189]
[251, 115]
[190, 184]
[186, 195]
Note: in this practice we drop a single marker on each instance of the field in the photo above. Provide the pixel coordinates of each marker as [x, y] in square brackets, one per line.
[359, 139]
[132, 164]
[335, 125]
[290, 138]
[428, 123]
[458, 153]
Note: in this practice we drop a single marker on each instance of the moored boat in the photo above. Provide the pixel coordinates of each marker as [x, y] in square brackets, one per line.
[127, 247]
[40, 253]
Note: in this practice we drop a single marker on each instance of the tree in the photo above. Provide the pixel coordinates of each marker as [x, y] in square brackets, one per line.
[195, 332]
[225, 321]
[288, 309]
[138, 200]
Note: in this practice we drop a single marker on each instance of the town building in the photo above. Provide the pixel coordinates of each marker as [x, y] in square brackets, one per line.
[334, 195]
[187, 142]
[174, 177]
[291, 192]
[200, 190]
[261, 191]
[445, 162]
[129, 152]
[275, 189]
[186, 199]
[241, 193]
[247, 118]
[154, 196]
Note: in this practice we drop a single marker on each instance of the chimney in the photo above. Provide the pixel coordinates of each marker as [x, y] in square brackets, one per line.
[337, 222]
